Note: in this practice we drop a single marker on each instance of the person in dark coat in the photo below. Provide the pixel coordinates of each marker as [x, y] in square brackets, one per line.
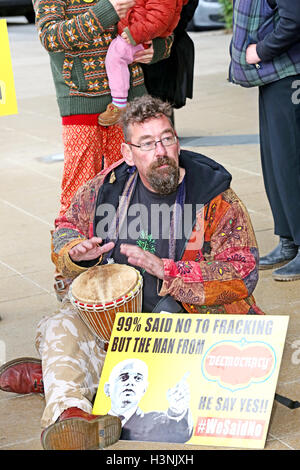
[279, 115]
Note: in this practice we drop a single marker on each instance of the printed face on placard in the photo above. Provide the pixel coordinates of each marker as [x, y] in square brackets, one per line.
[127, 387]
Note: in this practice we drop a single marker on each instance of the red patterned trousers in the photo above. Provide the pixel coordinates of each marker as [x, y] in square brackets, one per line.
[88, 148]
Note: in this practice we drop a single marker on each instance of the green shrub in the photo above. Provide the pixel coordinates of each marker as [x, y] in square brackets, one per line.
[228, 12]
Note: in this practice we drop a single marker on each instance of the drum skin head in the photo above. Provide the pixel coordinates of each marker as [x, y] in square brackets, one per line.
[105, 283]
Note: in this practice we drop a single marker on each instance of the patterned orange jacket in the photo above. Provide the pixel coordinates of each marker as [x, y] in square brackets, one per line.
[216, 271]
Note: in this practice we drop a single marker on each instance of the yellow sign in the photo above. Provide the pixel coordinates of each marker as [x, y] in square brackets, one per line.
[196, 379]
[8, 101]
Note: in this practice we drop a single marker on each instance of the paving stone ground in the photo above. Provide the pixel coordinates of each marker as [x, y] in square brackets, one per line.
[221, 122]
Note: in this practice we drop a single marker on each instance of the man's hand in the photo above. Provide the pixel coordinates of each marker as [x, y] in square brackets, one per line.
[146, 55]
[179, 397]
[251, 55]
[89, 249]
[122, 6]
[144, 259]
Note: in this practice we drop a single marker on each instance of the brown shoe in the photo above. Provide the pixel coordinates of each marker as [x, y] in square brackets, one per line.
[78, 430]
[111, 116]
[23, 375]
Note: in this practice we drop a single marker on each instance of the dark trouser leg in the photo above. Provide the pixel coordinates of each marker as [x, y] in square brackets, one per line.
[280, 154]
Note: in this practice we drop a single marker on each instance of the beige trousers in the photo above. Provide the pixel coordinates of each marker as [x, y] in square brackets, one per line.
[72, 361]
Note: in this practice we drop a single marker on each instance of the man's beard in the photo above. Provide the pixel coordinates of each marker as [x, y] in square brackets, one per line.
[163, 180]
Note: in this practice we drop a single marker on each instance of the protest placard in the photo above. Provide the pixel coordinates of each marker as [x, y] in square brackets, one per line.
[226, 366]
[8, 101]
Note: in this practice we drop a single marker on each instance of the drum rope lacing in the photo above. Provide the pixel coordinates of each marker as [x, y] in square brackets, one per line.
[99, 317]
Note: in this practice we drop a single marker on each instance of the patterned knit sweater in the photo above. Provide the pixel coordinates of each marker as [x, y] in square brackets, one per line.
[77, 33]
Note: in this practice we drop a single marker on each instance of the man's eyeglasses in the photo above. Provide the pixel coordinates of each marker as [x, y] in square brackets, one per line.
[148, 145]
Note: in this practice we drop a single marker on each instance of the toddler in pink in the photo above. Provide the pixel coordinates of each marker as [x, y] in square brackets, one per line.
[146, 20]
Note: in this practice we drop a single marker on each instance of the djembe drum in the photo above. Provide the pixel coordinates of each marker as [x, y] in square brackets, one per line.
[102, 291]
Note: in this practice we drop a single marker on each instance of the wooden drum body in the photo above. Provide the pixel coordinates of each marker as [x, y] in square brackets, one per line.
[102, 291]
